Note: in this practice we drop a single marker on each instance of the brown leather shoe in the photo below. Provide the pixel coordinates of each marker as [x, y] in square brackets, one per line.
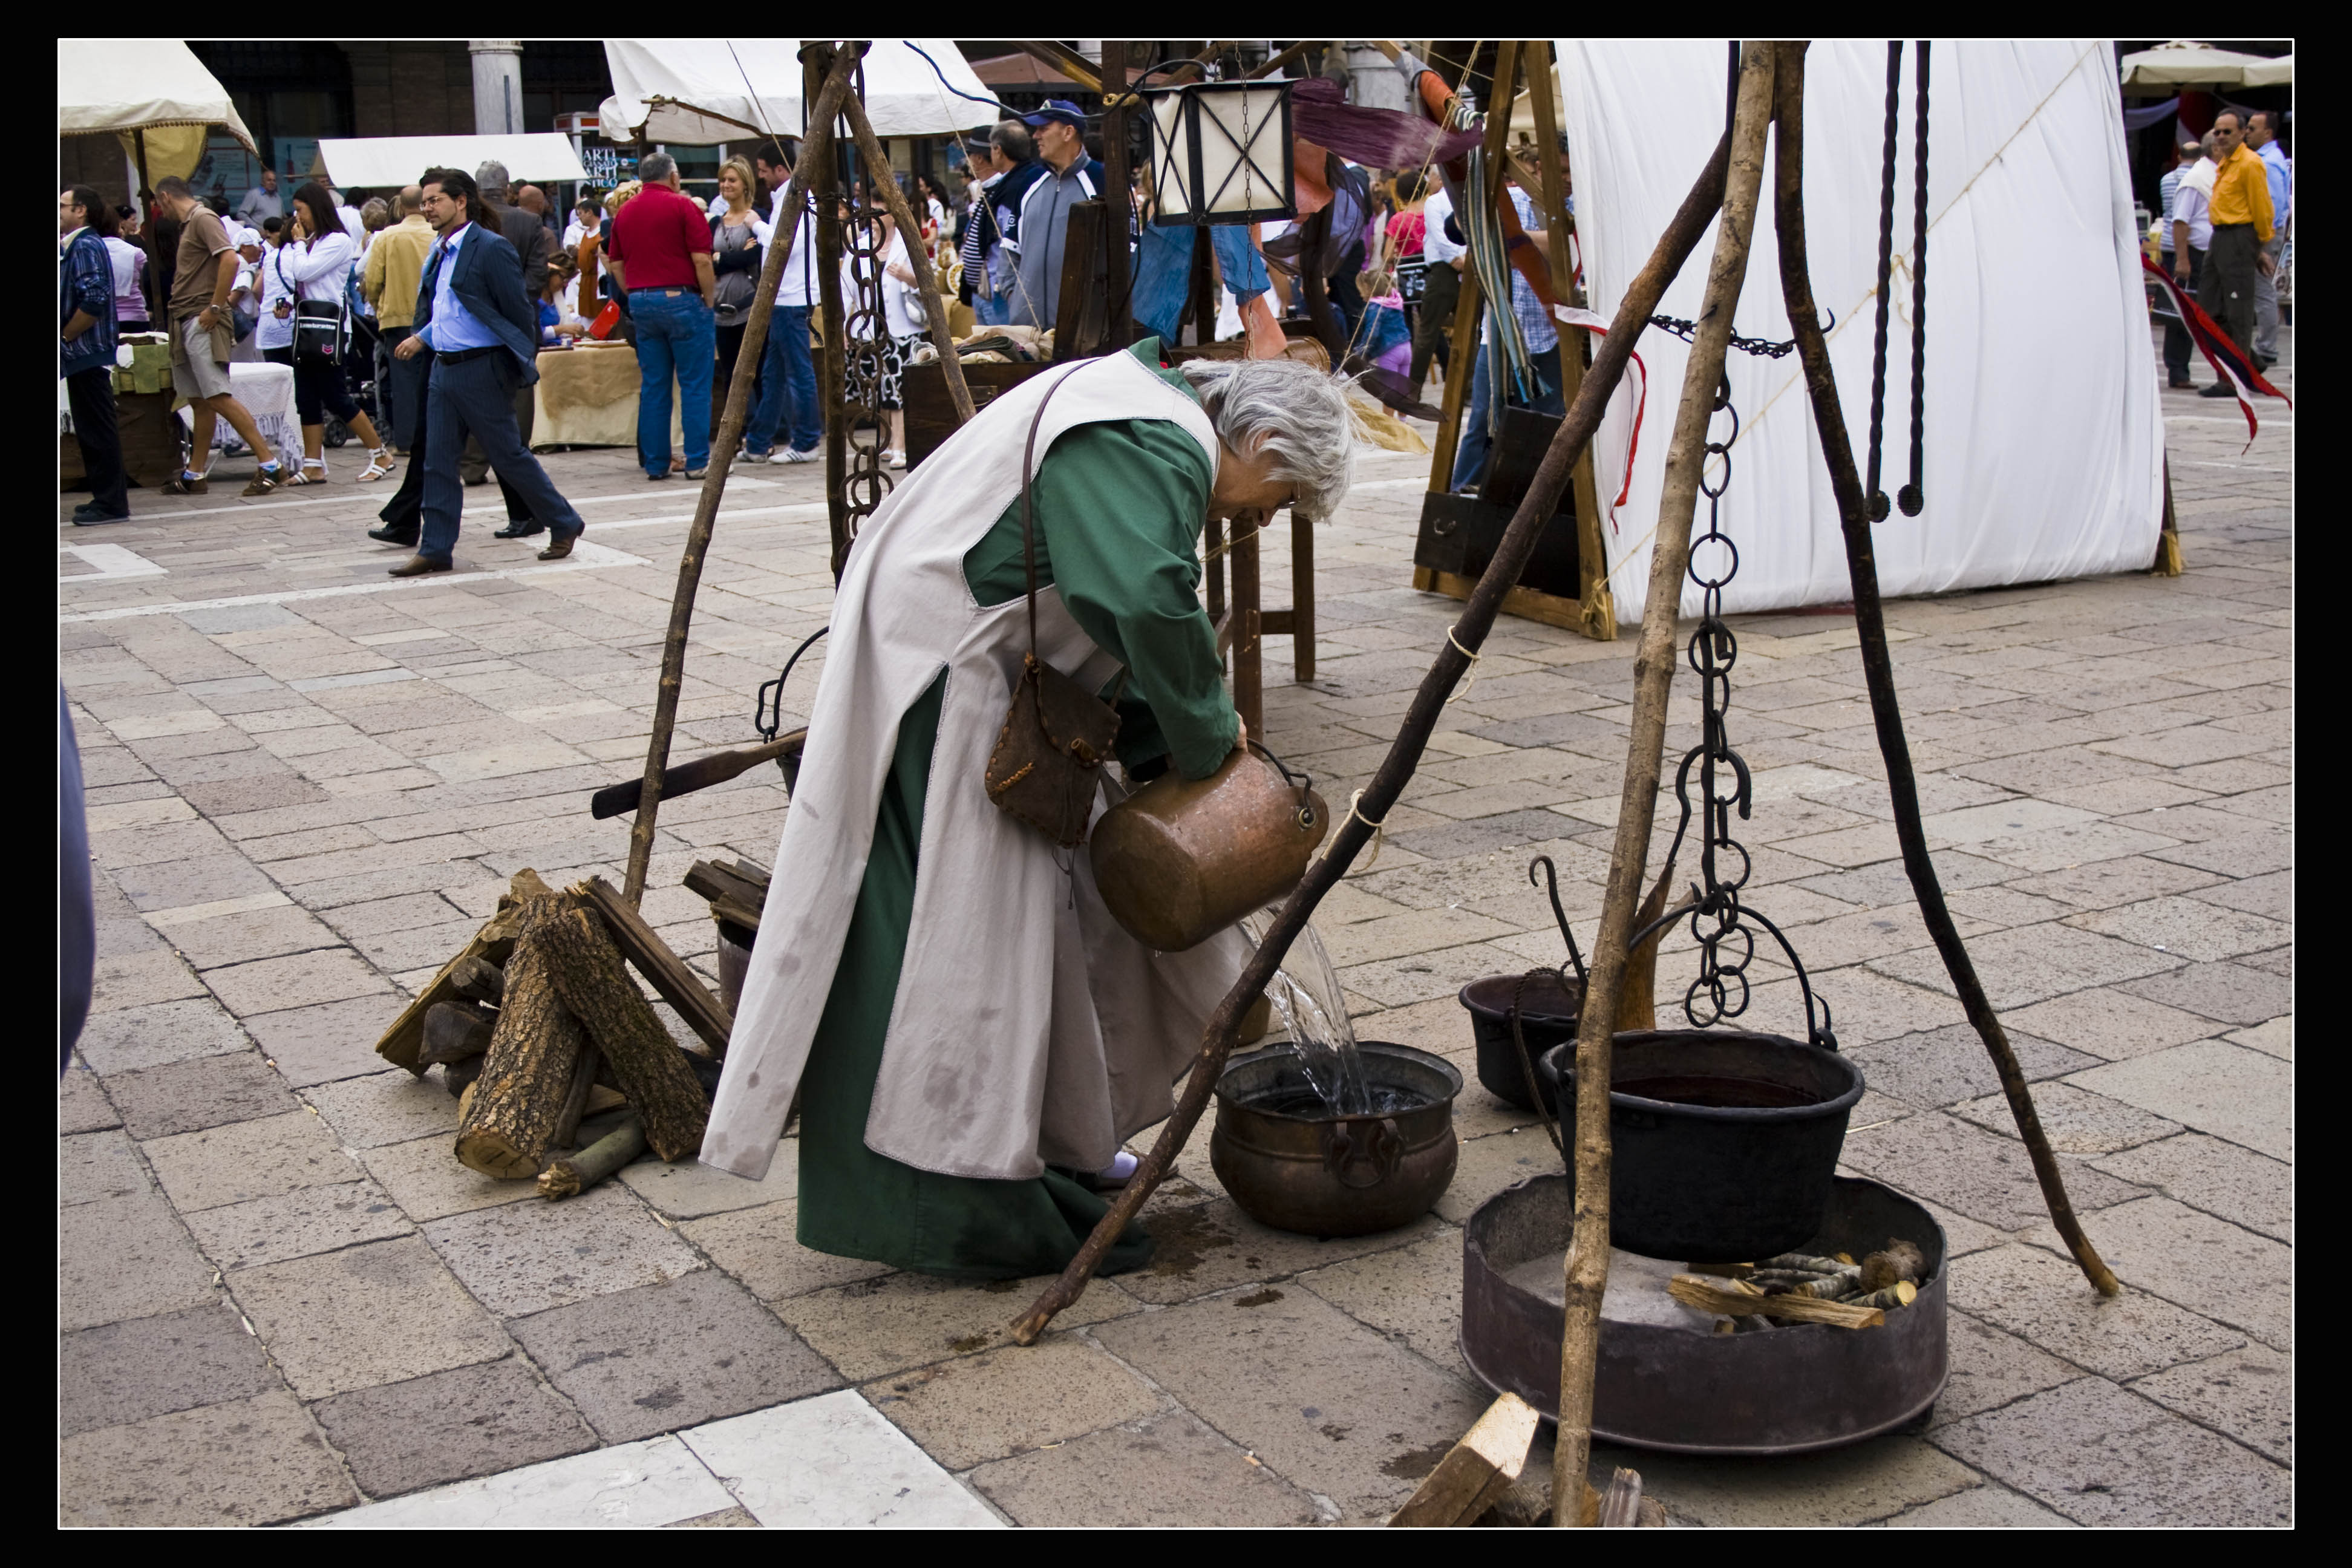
[560, 548]
[418, 566]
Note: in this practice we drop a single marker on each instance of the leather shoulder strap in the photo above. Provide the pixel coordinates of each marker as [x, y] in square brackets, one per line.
[1028, 472]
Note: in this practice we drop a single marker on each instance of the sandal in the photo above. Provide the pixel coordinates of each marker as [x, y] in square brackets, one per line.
[381, 463]
[304, 475]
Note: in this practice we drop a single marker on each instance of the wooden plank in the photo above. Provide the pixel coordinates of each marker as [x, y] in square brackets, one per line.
[1528, 603]
[1480, 1468]
[706, 1015]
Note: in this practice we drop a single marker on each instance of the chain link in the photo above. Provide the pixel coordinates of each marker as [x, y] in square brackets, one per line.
[1762, 348]
[863, 367]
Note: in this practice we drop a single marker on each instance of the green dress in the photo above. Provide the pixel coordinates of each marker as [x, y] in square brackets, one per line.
[1118, 512]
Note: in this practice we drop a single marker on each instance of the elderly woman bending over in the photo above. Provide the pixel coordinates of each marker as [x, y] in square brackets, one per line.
[969, 1035]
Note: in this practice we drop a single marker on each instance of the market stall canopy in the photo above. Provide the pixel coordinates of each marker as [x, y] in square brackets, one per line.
[699, 92]
[2279, 72]
[2035, 262]
[139, 84]
[372, 161]
[2183, 63]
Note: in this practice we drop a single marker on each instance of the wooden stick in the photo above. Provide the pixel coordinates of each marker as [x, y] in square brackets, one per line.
[575, 1103]
[1587, 1267]
[1470, 628]
[881, 179]
[575, 1174]
[1621, 1505]
[819, 145]
[1708, 1296]
[1477, 1471]
[1878, 669]
[833, 341]
[672, 981]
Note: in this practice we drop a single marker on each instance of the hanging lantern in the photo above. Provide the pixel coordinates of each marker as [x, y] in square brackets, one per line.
[1221, 152]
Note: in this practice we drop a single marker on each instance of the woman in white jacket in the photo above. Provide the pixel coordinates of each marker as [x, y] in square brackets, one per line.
[318, 261]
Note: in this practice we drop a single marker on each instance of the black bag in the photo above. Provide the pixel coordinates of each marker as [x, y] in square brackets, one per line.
[319, 330]
[1056, 733]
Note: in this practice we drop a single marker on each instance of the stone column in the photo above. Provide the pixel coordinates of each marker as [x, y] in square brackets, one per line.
[498, 85]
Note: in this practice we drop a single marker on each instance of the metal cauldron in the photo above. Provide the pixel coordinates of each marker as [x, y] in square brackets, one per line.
[1746, 1176]
[1548, 1002]
[1181, 859]
[1664, 1379]
[1334, 1175]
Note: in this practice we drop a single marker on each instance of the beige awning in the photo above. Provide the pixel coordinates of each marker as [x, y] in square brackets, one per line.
[2183, 63]
[137, 84]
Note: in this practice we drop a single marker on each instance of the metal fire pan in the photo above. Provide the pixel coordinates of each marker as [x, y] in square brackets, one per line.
[1683, 1389]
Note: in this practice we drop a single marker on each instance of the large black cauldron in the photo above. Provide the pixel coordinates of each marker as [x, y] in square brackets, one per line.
[1725, 1141]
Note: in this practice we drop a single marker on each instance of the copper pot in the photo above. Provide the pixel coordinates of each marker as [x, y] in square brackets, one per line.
[1291, 1166]
[1180, 859]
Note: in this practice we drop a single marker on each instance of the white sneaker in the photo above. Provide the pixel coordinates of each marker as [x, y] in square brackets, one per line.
[894, 459]
[1121, 1167]
[792, 455]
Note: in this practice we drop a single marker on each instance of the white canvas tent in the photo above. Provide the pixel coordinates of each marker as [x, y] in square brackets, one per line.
[140, 84]
[744, 87]
[2183, 63]
[2044, 446]
[373, 162]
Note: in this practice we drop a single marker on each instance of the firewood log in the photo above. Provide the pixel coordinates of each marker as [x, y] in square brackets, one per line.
[1803, 1263]
[575, 1174]
[454, 1031]
[477, 980]
[1831, 1287]
[508, 1122]
[493, 942]
[1902, 1293]
[1621, 1505]
[587, 974]
[672, 981]
[1900, 1261]
[1478, 1470]
[459, 1077]
[1710, 1296]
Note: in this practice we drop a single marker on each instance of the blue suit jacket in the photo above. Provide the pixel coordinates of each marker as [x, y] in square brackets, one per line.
[490, 282]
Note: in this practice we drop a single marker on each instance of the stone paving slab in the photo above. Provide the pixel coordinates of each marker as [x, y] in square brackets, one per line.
[301, 805]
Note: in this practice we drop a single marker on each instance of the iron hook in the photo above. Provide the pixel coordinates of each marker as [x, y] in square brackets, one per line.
[1551, 876]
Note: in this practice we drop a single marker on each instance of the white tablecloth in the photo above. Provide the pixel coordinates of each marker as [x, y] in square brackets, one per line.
[267, 393]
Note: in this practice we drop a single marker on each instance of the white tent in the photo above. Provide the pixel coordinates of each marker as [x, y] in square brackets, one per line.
[137, 84]
[2044, 445]
[699, 92]
[375, 161]
[2279, 72]
[2183, 63]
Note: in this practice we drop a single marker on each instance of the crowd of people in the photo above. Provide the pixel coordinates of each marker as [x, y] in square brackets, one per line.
[2222, 235]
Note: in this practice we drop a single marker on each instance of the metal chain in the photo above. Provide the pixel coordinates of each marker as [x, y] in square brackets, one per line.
[1913, 496]
[1886, 278]
[864, 334]
[1719, 922]
[1762, 348]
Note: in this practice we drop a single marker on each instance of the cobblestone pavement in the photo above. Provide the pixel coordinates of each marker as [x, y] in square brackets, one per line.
[281, 1298]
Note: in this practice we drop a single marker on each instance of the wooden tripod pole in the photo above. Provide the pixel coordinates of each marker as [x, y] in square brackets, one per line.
[1477, 618]
[816, 149]
[880, 178]
[1587, 1266]
[1878, 666]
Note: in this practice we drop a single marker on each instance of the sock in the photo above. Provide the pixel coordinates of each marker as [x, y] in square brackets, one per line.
[1121, 1167]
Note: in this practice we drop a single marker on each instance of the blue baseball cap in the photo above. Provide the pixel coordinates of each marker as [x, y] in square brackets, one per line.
[1056, 109]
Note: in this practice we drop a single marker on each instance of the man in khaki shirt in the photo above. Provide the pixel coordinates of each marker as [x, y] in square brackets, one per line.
[395, 269]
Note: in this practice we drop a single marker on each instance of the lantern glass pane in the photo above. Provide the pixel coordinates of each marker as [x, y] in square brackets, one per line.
[1241, 151]
[1170, 157]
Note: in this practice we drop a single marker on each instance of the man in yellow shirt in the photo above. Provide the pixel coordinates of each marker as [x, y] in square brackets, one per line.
[396, 266]
[2241, 231]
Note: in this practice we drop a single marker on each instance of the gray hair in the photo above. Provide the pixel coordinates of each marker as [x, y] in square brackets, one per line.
[1012, 138]
[1289, 409]
[492, 177]
[656, 167]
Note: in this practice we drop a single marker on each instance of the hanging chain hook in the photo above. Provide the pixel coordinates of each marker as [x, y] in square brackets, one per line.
[1551, 875]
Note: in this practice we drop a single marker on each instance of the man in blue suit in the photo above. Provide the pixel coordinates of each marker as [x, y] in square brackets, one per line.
[483, 334]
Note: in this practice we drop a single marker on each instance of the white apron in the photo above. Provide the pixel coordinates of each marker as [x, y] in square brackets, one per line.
[1029, 1029]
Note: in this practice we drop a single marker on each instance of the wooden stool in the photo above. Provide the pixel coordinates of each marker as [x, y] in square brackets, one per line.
[1242, 625]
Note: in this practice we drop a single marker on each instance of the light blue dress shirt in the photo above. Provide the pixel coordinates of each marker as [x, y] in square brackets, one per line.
[2279, 176]
[453, 327]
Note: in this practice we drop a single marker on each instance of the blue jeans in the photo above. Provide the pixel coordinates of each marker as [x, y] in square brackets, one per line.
[992, 311]
[787, 388]
[477, 396]
[675, 335]
[1470, 460]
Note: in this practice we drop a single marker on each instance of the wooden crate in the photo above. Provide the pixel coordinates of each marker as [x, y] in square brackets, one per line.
[150, 441]
[930, 413]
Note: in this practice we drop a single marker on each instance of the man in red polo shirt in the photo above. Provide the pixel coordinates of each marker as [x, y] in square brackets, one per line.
[660, 254]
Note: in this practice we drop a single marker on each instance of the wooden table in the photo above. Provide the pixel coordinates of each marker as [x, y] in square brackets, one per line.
[1243, 624]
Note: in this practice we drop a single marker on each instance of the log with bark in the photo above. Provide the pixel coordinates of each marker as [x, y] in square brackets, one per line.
[672, 981]
[585, 968]
[492, 943]
[738, 893]
[477, 980]
[575, 1174]
[508, 1118]
[454, 1031]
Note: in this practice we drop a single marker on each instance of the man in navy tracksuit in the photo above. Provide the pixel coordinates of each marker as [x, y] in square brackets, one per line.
[472, 316]
[1064, 177]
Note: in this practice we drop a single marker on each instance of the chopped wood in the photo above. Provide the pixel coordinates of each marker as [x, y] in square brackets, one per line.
[1478, 1472]
[1710, 1296]
[1621, 1505]
[493, 942]
[1829, 1287]
[715, 881]
[1804, 1263]
[1723, 1270]
[1900, 1261]
[594, 1125]
[1902, 1293]
[664, 970]
[459, 1077]
[575, 1174]
[477, 980]
[454, 1031]
[602, 1101]
[509, 1121]
[575, 1098]
[587, 974]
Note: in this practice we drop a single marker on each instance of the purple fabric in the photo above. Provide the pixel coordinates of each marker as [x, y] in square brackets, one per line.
[2141, 119]
[1382, 138]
